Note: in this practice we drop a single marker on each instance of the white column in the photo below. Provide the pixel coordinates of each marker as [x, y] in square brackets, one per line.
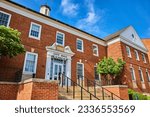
[68, 69]
[48, 65]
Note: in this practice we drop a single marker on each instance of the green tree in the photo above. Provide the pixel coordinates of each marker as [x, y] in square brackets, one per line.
[110, 69]
[10, 43]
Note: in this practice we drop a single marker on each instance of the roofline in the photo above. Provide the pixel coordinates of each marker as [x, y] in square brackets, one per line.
[53, 19]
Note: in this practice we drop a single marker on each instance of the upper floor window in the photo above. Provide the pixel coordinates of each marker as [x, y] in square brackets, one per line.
[79, 45]
[35, 30]
[141, 75]
[148, 76]
[4, 18]
[143, 58]
[60, 38]
[30, 62]
[95, 50]
[128, 51]
[132, 73]
[136, 54]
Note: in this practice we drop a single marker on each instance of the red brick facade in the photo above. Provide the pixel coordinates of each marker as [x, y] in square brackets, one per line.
[29, 90]
[48, 38]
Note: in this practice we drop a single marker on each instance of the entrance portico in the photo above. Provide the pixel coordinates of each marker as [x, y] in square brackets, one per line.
[58, 61]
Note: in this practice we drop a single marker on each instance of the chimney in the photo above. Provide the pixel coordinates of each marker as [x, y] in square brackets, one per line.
[45, 10]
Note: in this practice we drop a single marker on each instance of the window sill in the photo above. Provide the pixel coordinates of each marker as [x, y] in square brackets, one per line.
[36, 38]
[96, 55]
[80, 50]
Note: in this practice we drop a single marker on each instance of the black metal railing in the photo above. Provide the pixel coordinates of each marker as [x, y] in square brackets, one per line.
[64, 81]
[96, 86]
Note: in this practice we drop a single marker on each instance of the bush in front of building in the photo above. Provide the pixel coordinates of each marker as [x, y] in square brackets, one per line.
[10, 42]
[137, 96]
[110, 68]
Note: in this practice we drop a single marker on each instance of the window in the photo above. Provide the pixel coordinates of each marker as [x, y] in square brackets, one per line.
[60, 38]
[4, 18]
[35, 31]
[128, 51]
[143, 58]
[132, 35]
[80, 69]
[95, 50]
[30, 62]
[96, 74]
[141, 75]
[80, 45]
[148, 76]
[136, 55]
[132, 73]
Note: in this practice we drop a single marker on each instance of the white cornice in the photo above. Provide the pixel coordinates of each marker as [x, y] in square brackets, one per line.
[126, 41]
[50, 22]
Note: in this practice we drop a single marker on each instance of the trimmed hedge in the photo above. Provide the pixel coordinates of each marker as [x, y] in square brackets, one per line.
[137, 96]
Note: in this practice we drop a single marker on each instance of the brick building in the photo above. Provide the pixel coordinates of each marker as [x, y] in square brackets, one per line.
[53, 47]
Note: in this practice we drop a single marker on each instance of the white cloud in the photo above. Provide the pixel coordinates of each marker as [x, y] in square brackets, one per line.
[90, 22]
[69, 8]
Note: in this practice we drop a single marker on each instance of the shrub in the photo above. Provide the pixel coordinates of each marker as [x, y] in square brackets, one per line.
[138, 96]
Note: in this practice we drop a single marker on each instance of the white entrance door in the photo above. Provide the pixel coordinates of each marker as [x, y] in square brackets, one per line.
[57, 69]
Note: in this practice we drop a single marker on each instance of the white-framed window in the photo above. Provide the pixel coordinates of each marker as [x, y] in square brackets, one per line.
[5, 18]
[132, 73]
[95, 49]
[30, 63]
[60, 38]
[143, 58]
[136, 55]
[96, 75]
[79, 44]
[148, 75]
[35, 31]
[80, 70]
[128, 51]
[141, 75]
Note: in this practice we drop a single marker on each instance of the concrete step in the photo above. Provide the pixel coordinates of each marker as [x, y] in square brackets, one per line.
[63, 95]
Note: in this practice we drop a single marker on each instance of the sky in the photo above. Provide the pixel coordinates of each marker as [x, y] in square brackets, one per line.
[98, 17]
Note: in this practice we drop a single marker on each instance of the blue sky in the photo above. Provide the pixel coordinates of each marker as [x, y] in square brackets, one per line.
[99, 17]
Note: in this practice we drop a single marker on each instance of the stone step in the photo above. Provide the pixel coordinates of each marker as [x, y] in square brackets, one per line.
[63, 95]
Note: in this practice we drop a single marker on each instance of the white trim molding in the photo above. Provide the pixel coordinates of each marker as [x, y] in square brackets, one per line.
[8, 23]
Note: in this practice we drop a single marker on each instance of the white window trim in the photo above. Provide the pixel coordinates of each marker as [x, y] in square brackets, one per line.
[148, 75]
[133, 73]
[142, 75]
[144, 58]
[129, 52]
[38, 38]
[77, 45]
[63, 38]
[82, 69]
[97, 50]
[8, 19]
[25, 72]
[138, 59]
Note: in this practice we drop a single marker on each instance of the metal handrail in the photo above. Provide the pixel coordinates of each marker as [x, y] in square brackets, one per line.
[75, 83]
[103, 89]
